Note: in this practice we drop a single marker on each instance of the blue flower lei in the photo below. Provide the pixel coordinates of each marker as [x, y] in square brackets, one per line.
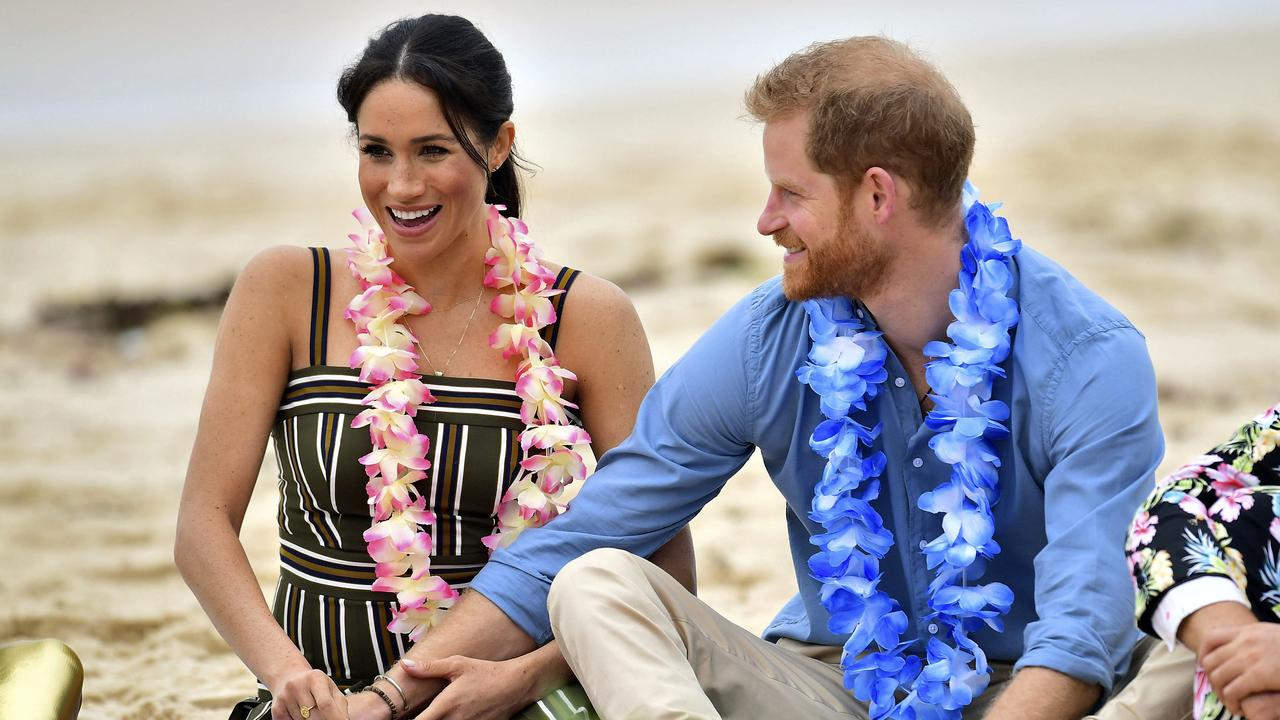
[846, 370]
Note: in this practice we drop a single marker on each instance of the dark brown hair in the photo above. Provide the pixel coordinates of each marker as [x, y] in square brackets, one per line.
[454, 59]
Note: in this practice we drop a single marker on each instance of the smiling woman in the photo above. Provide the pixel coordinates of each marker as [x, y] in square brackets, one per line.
[395, 484]
[417, 179]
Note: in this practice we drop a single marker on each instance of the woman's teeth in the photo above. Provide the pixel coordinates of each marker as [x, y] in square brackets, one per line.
[408, 216]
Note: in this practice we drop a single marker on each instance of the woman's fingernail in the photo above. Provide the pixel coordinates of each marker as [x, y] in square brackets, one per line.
[408, 663]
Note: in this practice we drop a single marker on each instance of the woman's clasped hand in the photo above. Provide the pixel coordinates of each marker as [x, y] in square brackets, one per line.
[308, 695]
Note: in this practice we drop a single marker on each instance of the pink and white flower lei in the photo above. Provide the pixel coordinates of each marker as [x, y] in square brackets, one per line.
[397, 540]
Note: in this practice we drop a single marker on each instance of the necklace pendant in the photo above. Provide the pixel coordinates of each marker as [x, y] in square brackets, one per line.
[439, 373]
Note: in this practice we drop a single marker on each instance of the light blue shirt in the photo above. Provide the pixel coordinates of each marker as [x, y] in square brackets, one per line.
[1084, 446]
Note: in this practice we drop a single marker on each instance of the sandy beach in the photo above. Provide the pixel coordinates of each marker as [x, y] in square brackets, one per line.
[1151, 170]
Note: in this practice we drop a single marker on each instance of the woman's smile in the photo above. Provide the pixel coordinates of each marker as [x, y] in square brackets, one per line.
[413, 222]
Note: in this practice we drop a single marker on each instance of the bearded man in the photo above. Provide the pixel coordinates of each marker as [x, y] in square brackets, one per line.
[961, 431]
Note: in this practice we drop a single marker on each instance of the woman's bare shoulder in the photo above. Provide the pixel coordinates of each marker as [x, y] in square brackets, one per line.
[278, 265]
[599, 320]
[592, 298]
[273, 287]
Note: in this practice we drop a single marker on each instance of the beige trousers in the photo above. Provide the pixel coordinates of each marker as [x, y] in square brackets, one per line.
[1159, 686]
[646, 649]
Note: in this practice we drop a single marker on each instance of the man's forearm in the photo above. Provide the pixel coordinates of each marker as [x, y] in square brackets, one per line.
[475, 628]
[1037, 693]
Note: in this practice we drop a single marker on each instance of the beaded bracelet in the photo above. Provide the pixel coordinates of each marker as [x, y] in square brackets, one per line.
[399, 690]
[395, 714]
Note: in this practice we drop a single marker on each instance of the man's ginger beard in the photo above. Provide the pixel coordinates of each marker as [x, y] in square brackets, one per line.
[851, 264]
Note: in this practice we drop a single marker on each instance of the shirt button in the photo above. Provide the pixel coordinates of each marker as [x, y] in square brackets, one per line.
[899, 382]
[917, 463]
[860, 313]
[933, 628]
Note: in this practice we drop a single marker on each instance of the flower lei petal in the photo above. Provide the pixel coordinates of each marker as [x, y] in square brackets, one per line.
[846, 369]
[397, 541]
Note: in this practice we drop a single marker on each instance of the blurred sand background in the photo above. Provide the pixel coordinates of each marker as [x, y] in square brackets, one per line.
[146, 155]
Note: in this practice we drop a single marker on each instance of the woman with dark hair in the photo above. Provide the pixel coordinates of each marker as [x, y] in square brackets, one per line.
[449, 429]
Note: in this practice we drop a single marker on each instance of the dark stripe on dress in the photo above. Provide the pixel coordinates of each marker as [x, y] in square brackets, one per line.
[326, 271]
[564, 280]
[326, 444]
[293, 618]
[331, 626]
[318, 286]
[320, 274]
[442, 498]
[383, 613]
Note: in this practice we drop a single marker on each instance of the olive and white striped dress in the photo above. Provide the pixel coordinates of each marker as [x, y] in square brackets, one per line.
[324, 599]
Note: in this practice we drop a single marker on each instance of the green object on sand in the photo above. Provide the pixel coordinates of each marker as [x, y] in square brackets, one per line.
[567, 703]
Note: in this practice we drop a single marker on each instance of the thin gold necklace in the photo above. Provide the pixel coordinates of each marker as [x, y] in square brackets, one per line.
[457, 347]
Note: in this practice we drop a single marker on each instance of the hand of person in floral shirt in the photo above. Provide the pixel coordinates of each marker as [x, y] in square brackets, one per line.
[1263, 706]
[1243, 665]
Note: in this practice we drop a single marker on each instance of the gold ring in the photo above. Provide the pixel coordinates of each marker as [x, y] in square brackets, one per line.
[305, 711]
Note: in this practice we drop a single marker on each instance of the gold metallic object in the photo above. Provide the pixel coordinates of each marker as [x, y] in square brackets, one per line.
[305, 711]
[39, 680]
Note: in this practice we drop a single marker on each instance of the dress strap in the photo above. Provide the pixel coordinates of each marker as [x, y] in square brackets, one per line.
[321, 270]
[564, 280]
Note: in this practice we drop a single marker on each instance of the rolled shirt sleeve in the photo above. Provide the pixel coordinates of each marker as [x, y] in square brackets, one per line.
[1104, 441]
[690, 436]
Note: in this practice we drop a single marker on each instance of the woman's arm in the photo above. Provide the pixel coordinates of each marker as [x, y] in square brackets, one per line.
[250, 365]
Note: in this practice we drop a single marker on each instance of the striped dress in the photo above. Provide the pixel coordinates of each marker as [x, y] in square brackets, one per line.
[323, 599]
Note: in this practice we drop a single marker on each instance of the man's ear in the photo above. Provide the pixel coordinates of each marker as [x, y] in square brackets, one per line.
[880, 193]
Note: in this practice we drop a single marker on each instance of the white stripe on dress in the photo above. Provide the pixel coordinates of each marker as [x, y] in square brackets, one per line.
[324, 377]
[435, 480]
[497, 392]
[324, 635]
[304, 575]
[333, 467]
[373, 638]
[370, 565]
[300, 478]
[399, 644]
[457, 493]
[356, 405]
[504, 442]
[342, 636]
[327, 400]
[325, 515]
[284, 513]
[302, 610]
[311, 553]
[341, 378]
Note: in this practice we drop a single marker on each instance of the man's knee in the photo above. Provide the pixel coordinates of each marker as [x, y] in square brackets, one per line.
[601, 572]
